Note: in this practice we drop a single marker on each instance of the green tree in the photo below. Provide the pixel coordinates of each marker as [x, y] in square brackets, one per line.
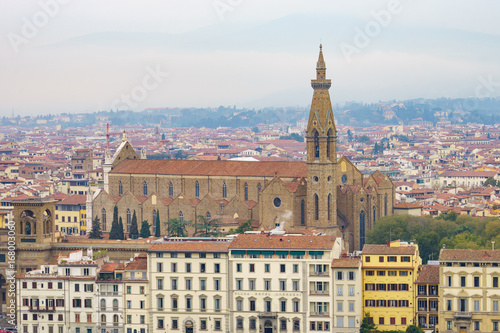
[177, 228]
[349, 136]
[490, 182]
[114, 233]
[363, 139]
[121, 232]
[145, 233]
[96, 232]
[204, 227]
[134, 228]
[414, 329]
[450, 216]
[163, 136]
[158, 229]
[367, 325]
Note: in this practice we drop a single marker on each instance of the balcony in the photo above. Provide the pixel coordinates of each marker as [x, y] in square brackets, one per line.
[315, 273]
[41, 308]
[270, 315]
[462, 315]
[320, 314]
[319, 293]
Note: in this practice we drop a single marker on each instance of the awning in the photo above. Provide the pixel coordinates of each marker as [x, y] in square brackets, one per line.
[282, 253]
[268, 253]
[298, 253]
[237, 251]
[316, 253]
[254, 252]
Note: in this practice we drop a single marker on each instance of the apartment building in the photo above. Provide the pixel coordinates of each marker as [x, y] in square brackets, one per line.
[109, 286]
[188, 285]
[281, 283]
[347, 294]
[469, 292]
[427, 296]
[389, 272]
[135, 297]
[71, 215]
[58, 298]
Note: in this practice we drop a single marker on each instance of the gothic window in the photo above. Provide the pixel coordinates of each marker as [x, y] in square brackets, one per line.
[170, 189]
[154, 221]
[329, 206]
[224, 190]
[328, 141]
[316, 207]
[221, 206]
[103, 218]
[129, 220]
[208, 216]
[120, 188]
[316, 144]
[385, 205]
[181, 216]
[302, 213]
[374, 213]
[145, 188]
[197, 190]
[361, 229]
[246, 192]
[259, 187]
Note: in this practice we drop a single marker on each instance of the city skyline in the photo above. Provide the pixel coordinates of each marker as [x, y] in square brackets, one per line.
[76, 57]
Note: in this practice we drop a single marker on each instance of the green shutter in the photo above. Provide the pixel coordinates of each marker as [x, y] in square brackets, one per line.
[297, 253]
[237, 251]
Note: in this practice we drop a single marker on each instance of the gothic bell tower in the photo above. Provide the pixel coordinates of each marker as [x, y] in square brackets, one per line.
[321, 137]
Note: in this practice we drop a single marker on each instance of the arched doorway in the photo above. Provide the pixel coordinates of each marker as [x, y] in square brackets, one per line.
[268, 326]
[189, 326]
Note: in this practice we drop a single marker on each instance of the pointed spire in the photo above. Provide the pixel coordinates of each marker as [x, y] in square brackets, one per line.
[321, 62]
[124, 137]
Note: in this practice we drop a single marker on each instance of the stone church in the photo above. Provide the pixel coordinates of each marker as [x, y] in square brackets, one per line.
[325, 194]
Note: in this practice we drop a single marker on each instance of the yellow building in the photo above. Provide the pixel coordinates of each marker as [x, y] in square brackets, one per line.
[3, 214]
[71, 215]
[389, 272]
[427, 296]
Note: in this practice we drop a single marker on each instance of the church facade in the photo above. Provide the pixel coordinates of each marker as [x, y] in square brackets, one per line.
[325, 193]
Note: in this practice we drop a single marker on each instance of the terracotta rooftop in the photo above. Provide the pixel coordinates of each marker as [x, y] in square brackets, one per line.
[190, 246]
[212, 168]
[384, 249]
[469, 255]
[137, 265]
[262, 241]
[428, 274]
[407, 205]
[346, 263]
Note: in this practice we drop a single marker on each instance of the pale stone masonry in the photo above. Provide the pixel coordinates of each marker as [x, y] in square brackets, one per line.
[469, 292]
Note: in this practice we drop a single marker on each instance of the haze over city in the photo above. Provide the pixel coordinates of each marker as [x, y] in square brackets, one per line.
[85, 56]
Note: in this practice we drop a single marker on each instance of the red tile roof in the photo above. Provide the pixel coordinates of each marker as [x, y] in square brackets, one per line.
[428, 274]
[262, 241]
[212, 168]
[469, 255]
[346, 263]
[190, 246]
[384, 249]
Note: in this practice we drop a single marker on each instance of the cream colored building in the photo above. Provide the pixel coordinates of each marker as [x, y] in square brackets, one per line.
[281, 283]
[188, 285]
[469, 292]
[347, 295]
[135, 296]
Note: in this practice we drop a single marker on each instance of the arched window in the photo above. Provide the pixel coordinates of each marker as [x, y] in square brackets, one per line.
[103, 303]
[316, 144]
[145, 188]
[181, 216]
[208, 216]
[224, 190]
[328, 141]
[103, 318]
[246, 192]
[170, 189]
[385, 205]
[329, 206]
[27, 228]
[120, 188]
[129, 220]
[361, 229]
[197, 190]
[155, 214]
[374, 214]
[316, 207]
[115, 303]
[302, 213]
[103, 218]
[115, 318]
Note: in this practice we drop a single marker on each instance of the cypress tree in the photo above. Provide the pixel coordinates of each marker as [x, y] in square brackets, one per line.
[134, 229]
[158, 230]
[145, 233]
[96, 233]
[114, 232]
[120, 233]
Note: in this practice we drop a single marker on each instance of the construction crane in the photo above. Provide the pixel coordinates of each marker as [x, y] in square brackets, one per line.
[108, 135]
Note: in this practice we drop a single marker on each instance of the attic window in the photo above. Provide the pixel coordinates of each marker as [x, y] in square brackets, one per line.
[277, 202]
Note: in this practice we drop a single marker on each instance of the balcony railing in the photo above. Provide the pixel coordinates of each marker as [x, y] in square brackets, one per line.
[315, 273]
[42, 308]
[269, 314]
[463, 315]
[320, 314]
[319, 292]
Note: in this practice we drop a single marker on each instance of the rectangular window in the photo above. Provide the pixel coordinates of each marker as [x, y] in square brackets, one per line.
[283, 306]
[476, 283]
[295, 268]
[267, 268]
[188, 267]
[340, 290]
[188, 284]
[239, 284]
[392, 259]
[351, 276]
[159, 283]
[476, 326]
[381, 320]
[367, 259]
[251, 284]
[381, 259]
[267, 284]
[203, 255]
[340, 275]
[238, 267]
[495, 306]
[405, 259]
[476, 306]
[129, 289]
[340, 306]
[462, 281]
[448, 280]
[495, 326]
[252, 305]
[282, 268]
[202, 268]
[173, 267]
[449, 325]
[187, 255]
[296, 306]
[174, 284]
[351, 306]
[217, 284]
[203, 284]
[403, 320]
[282, 285]
[295, 285]
[252, 268]
[392, 320]
[495, 282]
[448, 305]
[216, 268]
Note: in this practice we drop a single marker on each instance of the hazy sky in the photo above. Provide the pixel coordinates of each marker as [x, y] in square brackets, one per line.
[88, 55]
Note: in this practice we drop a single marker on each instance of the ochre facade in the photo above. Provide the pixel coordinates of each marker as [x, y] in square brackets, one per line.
[326, 194]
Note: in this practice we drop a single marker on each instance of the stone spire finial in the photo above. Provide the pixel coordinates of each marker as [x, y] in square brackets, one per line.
[321, 62]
